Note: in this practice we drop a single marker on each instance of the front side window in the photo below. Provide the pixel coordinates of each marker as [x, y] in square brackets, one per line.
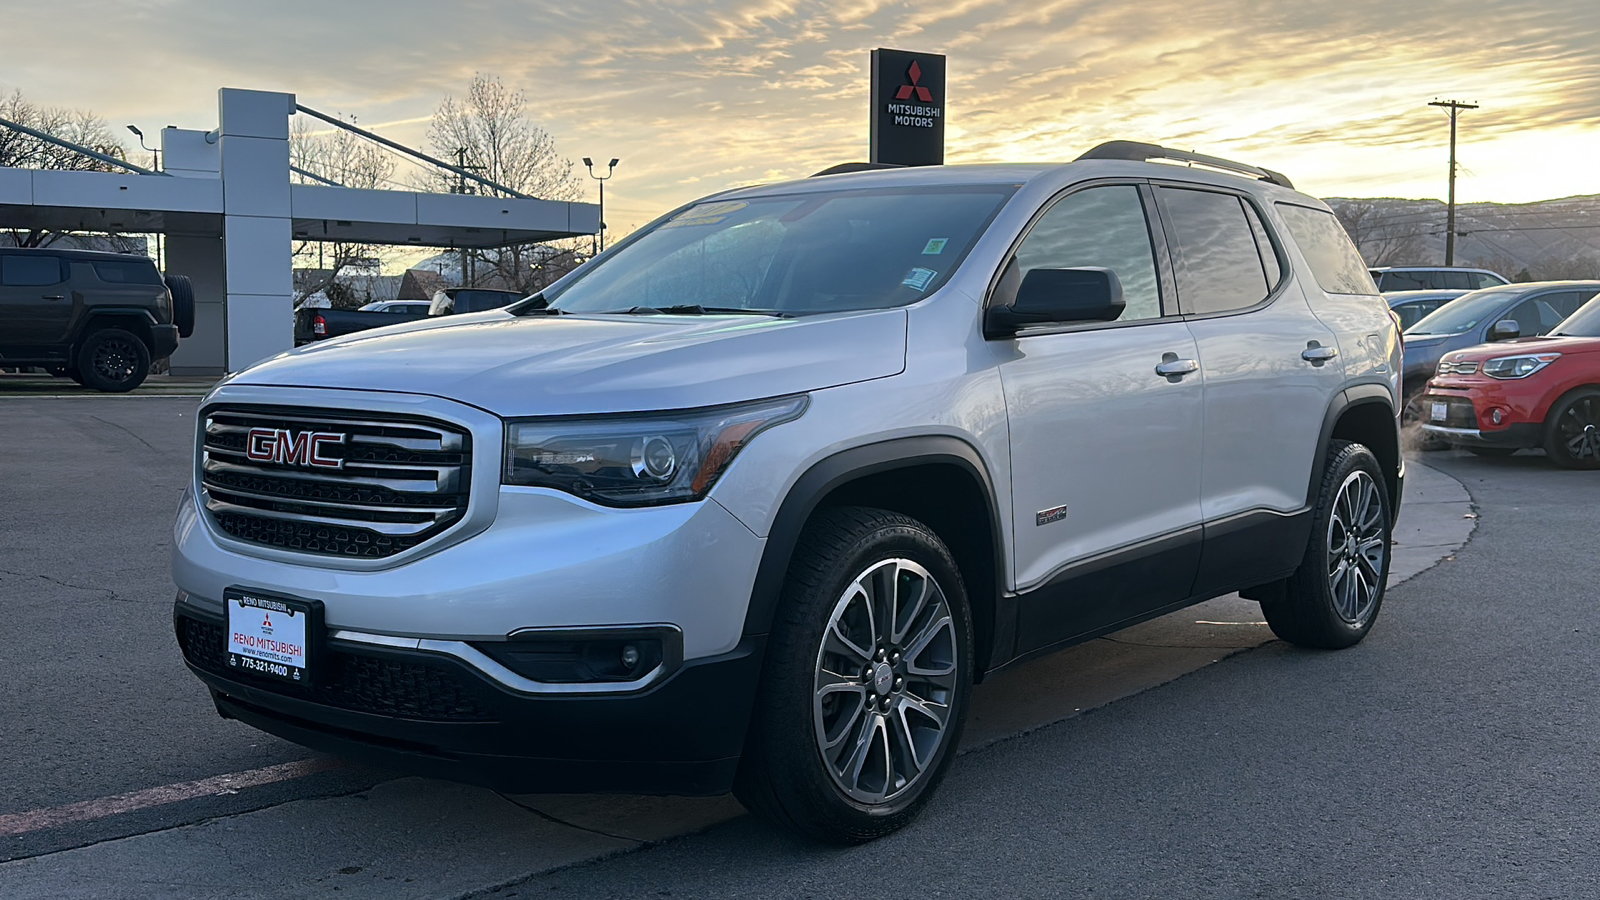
[1462, 314]
[29, 271]
[1540, 315]
[794, 254]
[1334, 261]
[1221, 265]
[1583, 323]
[1103, 227]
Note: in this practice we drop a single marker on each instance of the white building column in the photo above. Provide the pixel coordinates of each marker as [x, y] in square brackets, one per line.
[253, 142]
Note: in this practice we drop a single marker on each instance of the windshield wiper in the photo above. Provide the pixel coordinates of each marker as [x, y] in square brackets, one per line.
[695, 309]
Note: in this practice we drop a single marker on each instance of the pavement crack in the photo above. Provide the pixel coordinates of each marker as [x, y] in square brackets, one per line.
[123, 429]
[67, 584]
[556, 820]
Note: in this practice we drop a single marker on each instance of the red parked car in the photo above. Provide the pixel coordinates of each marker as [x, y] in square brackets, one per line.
[1496, 399]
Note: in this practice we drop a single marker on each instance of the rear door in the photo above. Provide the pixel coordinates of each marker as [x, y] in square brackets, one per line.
[1271, 367]
[1105, 480]
[35, 303]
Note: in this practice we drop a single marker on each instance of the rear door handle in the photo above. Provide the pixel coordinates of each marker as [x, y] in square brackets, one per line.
[1318, 354]
[1173, 367]
[55, 296]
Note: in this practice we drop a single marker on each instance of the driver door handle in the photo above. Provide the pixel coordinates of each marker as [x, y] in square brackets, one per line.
[55, 296]
[1319, 354]
[1176, 368]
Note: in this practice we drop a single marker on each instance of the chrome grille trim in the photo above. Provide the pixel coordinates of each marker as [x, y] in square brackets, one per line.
[401, 482]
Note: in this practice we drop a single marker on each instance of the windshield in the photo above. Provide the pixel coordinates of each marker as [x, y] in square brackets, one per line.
[796, 254]
[1583, 323]
[1463, 313]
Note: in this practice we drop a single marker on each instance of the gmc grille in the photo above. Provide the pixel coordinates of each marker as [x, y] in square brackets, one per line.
[370, 488]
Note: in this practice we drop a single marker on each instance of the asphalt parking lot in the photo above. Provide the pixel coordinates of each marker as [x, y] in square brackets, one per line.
[1443, 757]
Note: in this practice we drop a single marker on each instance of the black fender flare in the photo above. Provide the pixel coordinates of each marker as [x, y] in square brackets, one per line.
[848, 465]
[1344, 401]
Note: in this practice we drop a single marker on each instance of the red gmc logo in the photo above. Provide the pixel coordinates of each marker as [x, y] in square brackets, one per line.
[280, 445]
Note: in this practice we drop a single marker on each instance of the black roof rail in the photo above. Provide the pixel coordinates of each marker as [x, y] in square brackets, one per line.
[1141, 152]
[847, 168]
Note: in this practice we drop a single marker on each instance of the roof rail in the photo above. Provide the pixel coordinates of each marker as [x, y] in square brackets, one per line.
[846, 168]
[1141, 152]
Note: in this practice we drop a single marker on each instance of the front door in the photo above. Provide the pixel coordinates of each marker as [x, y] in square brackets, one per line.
[35, 305]
[1105, 474]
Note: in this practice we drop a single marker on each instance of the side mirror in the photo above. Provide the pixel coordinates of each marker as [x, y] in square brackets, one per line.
[1048, 296]
[1505, 330]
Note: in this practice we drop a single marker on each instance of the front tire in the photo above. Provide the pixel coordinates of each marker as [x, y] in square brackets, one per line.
[1331, 601]
[113, 360]
[865, 689]
[1572, 432]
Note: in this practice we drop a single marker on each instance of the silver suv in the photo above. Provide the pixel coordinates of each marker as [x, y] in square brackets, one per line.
[751, 500]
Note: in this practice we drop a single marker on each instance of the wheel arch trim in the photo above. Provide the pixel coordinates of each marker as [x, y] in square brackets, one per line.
[831, 473]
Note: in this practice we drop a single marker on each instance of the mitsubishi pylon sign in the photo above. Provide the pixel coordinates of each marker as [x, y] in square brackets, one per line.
[907, 108]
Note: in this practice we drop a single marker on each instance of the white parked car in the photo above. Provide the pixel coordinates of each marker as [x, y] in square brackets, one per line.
[753, 499]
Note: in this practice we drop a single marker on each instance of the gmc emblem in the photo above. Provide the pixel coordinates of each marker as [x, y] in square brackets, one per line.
[282, 446]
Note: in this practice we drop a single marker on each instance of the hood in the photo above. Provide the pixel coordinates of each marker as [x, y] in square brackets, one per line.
[558, 365]
[1527, 345]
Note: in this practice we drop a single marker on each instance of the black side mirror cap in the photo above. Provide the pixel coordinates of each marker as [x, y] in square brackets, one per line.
[1052, 296]
[1505, 330]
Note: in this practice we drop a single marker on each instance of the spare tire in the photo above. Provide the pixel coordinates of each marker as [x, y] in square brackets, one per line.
[182, 303]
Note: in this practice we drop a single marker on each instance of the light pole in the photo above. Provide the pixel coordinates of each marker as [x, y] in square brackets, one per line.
[611, 169]
[155, 153]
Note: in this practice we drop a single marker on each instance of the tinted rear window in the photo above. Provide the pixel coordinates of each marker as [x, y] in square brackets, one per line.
[1222, 263]
[1333, 259]
[134, 271]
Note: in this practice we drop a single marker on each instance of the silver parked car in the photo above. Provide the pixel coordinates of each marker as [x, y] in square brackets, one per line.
[752, 500]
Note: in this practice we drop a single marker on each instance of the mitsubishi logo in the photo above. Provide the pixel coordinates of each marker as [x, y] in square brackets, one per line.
[914, 75]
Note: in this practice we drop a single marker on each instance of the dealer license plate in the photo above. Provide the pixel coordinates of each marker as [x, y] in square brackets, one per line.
[1441, 411]
[269, 636]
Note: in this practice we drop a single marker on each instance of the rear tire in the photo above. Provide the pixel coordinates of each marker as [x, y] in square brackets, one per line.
[113, 360]
[1331, 601]
[1572, 432]
[866, 682]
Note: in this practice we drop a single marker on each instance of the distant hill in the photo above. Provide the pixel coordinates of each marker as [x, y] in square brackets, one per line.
[1543, 240]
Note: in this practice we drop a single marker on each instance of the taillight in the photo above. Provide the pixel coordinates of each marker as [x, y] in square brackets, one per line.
[319, 325]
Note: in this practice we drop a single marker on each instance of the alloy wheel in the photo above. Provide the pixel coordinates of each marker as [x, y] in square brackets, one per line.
[886, 678]
[1356, 547]
[1578, 429]
[115, 359]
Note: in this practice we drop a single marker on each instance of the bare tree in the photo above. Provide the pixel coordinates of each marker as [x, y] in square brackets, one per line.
[24, 151]
[351, 161]
[1384, 237]
[489, 130]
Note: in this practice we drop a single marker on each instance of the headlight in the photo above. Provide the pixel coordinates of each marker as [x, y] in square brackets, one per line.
[638, 459]
[1518, 366]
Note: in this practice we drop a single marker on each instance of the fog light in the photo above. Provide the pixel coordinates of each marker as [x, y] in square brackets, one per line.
[630, 656]
[1497, 416]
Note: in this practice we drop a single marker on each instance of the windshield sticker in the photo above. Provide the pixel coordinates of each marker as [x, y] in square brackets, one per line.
[708, 210]
[919, 278]
[681, 222]
[935, 246]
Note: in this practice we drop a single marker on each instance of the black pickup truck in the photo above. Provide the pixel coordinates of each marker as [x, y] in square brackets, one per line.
[98, 318]
[320, 323]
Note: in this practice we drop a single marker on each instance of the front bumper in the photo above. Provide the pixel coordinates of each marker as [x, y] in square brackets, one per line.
[434, 715]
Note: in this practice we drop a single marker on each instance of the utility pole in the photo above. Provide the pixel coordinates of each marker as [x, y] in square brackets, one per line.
[1455, 107]
[461, 188]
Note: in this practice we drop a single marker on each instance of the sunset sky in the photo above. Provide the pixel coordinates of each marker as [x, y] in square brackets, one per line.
[697, 96]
